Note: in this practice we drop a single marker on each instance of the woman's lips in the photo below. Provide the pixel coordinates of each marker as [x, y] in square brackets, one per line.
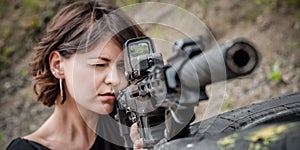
[107, 97]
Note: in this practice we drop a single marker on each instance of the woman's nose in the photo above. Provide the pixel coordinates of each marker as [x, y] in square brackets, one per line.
[112, 76]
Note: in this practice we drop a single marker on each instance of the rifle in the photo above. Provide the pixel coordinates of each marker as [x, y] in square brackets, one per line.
[161, 98]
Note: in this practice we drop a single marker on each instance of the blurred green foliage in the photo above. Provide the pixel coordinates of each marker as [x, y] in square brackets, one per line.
[297, 15]
[227, 104]
[127, 2]
[24, 72]
[5, 60]
[157, 33]
[34, 11]
[1, 136]
[295, 45]
[32, 5]
[2, 4]
[7, 51]
[6, 32]
[275, 74]
[268, 6]
[24, 20]
[277, 2]
[271, 4]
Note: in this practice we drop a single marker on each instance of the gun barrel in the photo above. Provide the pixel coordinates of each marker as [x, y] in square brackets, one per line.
[232, 59]
[241, 58]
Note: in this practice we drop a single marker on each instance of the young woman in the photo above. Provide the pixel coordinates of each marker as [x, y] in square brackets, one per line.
[78, 68]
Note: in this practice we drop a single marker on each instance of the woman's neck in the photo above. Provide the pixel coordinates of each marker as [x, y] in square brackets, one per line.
[75, 118]
[69, 124]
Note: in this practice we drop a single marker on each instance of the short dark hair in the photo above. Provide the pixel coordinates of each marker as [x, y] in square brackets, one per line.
[73, 24]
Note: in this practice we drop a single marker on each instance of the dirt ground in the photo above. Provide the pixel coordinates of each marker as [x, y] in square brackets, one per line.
[275, 31]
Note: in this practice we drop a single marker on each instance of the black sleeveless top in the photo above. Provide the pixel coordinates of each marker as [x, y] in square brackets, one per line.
[24, 144]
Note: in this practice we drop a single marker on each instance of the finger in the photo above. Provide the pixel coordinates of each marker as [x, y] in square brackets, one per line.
[134, 133]
[138, 144]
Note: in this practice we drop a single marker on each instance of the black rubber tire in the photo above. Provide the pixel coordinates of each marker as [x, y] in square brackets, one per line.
[281, 109]
[207, 133]
[277, 136]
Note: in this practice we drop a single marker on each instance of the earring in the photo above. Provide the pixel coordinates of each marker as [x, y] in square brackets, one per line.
[53, 72]
[61, 91]
[60, 87]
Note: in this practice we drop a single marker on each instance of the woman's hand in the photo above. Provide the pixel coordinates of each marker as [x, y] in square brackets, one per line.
[135, 137]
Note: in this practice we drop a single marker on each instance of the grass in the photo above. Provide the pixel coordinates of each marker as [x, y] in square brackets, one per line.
[157, 33]
[297, 16]
[2, 10]
[275, 74]
[227, 105]
[293, 3]
[295, 45]
[5, 60]
[6, 51]
[272, 4]
[32, 5]
[252, 15]
[1, 136]
[127, 2]
[24, 72]
[6, 32]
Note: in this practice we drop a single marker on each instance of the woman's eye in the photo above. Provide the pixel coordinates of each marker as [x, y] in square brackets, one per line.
[99, 65]
[121, 66]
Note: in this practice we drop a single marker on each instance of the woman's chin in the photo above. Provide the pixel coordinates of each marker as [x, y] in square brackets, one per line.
[107, 109]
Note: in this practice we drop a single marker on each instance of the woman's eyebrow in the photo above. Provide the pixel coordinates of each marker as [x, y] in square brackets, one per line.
[120, 60]
[102, 58]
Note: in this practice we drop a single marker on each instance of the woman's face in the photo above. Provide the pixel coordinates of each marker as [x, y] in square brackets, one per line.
[93, 78]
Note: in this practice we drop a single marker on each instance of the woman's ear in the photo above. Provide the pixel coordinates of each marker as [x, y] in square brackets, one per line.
[56, 67]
